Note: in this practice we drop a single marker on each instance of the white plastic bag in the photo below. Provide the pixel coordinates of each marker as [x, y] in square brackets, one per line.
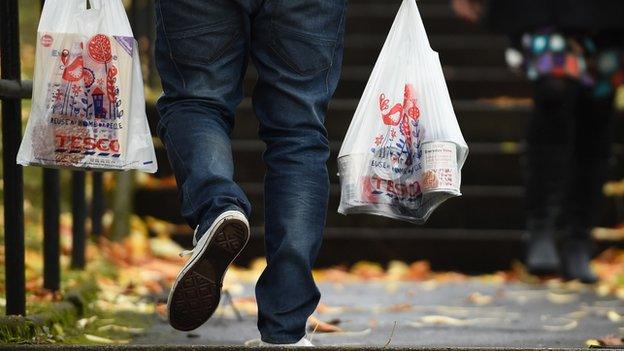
[403, 153]
[88, 105]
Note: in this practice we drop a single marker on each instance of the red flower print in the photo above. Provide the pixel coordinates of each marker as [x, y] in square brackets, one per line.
[58, 95]
[76, 89]
[379, 140]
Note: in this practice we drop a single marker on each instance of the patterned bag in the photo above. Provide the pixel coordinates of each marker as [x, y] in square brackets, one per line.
[403, 153]
[88, 107]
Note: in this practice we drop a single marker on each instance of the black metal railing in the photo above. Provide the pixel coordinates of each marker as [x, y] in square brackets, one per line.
[12, 91]
[12, 173]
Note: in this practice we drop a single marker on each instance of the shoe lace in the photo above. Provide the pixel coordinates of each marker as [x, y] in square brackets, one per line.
[185, 253]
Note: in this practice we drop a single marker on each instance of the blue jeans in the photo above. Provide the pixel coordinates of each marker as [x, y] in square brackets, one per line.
[202, 50]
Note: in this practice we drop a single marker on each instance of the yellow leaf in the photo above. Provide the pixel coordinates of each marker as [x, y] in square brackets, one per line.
[592, 343]
[120, 328]
[480, 299]
[614, 316]
[561, 299]
[101, 340]
[564, 327]
[318, 326]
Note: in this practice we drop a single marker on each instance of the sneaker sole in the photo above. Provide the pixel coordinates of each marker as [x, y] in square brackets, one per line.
[197, 293]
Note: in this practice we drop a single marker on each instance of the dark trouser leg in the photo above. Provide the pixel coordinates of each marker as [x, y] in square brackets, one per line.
[589, 172]
[550, 138]
[297, 50]
[201, 54]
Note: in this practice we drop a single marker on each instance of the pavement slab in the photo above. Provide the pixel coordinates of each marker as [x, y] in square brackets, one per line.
[430, 315]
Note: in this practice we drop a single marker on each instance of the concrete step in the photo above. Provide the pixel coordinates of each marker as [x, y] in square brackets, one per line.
[463, 82]
[502, 162]
[445, 249]
[481, 207]
[480, 121]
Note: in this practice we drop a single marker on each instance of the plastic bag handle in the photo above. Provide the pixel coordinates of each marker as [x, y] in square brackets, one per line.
[421, 32]
[54, 7]
[95, 4]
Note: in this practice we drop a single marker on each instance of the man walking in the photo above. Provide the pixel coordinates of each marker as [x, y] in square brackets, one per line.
[202, 50]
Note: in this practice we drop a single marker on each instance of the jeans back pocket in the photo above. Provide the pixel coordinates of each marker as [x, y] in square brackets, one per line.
[202, 45]
[304, 33]
[197, 32]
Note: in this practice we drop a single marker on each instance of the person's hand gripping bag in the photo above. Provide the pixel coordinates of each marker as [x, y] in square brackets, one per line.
[88, 105]
[403, 153]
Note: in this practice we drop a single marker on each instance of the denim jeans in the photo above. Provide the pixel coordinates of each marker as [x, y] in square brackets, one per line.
[202, 51]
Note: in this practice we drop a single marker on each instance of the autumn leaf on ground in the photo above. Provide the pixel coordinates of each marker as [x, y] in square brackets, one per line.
[120, 328]
[614, 316]
[161, 309]
[480, 299]
[607, 341]
[419, 270]
[102, 340]
[326, 309]
[368, 270]
[561, 298]
[566, 326]
[449, 321]
[318, 326]
[402, 307]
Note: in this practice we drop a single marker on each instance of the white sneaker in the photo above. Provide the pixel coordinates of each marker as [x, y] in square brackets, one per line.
[257, 342]
[196, 292]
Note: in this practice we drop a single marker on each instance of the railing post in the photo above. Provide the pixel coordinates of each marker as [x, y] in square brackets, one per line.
[12, 173]
[51, 224]
[51, 239]
[97, 204]
[78, 220]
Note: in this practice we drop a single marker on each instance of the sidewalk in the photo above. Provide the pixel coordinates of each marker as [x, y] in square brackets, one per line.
[431, 315]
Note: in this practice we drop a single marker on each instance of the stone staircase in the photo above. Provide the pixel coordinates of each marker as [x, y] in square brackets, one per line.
[480, 231]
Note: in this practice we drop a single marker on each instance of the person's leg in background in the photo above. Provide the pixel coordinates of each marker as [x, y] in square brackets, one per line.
[549, 146]
[590, 167]
[297, 49]
[201, 55]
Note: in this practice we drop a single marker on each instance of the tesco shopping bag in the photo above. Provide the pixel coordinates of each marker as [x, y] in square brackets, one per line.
[403, 153]
[88, 105]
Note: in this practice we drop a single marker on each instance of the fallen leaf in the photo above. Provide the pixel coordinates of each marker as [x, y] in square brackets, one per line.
[326, 309]
[83, 322]
[480, 299]
[101, 340]
[561, 298]
[397, 270]
[419, 270]
[444, 320]
[614, 316]
[611, 340]
[564, 327]
[368, 270]
[319, 326]
[592, 343]
[401, 307]
[120, 328]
